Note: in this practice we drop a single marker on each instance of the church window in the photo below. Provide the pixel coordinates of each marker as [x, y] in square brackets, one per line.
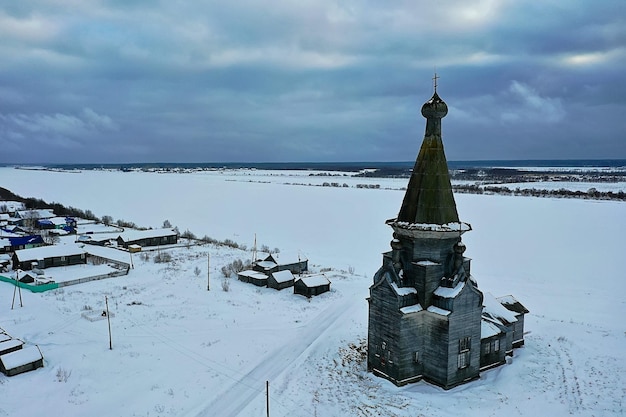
[496, 345]
[487, 348]
[463, 360]
[465, 343]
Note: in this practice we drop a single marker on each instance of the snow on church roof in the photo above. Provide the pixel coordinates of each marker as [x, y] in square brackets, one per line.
[446, 292]
[403, 290]
[438, 310]
[488, 329]
[495, 309]
[411, 309]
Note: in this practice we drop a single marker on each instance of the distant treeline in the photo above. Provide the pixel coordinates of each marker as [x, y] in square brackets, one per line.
[591, 194]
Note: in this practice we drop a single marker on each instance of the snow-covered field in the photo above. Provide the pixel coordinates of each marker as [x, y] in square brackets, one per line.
[179, 350]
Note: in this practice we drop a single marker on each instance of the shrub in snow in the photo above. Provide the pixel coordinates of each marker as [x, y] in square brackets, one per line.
[226, 284]
[208, 239]
[197, 271]
[226, 271]
[230, 243]
[162, 257]
[167, 224]
[188, 234]
[63, 375]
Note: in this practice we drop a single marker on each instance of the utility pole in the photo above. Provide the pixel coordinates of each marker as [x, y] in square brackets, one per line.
[17, 288]
[208, 272]
[267, 391]
[254, 255]
[106, 302]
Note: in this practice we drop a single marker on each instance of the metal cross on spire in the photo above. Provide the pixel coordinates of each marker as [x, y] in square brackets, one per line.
[435, 78]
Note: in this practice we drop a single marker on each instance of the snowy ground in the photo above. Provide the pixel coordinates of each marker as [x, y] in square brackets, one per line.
[179, 350]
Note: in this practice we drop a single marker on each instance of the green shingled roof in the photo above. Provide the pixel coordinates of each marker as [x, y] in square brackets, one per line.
[429, 197]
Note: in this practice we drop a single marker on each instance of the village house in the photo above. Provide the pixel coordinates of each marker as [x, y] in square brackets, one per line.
[280, 280]
[289, 261]
[49, 256]
[311, 285]
[427, 318]
[150, 237]
[253, 277]
[13, 243]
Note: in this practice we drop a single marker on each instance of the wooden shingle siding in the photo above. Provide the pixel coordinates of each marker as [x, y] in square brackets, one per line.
[425, 309]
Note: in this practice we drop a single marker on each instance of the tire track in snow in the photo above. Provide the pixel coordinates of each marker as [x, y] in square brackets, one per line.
[234, 399]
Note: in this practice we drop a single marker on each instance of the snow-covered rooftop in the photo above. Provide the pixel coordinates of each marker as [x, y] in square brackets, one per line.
[446, 292]
[37, 213]
[510, 303]
[314, 280]
[131, 235]
[286, 258]
[488, 329]
[411, 309]
[403, 290]
[252, 274]
[10, 344]
[49, 252]
[438, 310]
[24, 356]
[495, 309]
[283, 276]
[426, 263]
[266, 264]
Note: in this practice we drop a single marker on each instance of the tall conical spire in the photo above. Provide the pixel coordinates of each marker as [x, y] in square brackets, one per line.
[429, 198]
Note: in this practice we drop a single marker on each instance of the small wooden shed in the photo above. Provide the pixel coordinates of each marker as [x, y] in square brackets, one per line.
[280, 280]
[310, 285]
[10, 345]
[26, 359]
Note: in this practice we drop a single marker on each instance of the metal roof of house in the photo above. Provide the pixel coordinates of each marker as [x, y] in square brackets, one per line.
[26, 240]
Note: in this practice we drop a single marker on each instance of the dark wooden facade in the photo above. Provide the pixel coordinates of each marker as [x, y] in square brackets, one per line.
[426, 313]
[280, 280]
[155, 237]
[56, 256]
[311, 285]
[276, 262]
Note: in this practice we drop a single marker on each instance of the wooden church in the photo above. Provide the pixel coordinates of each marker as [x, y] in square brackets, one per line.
[427, 318]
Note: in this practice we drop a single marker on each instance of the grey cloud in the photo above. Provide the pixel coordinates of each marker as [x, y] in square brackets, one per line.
[313, 80]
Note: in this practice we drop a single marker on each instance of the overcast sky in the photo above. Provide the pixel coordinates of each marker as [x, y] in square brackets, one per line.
[278, 81]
